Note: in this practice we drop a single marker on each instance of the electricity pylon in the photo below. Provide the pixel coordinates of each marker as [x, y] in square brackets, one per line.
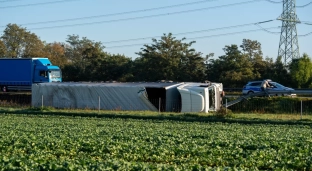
[288, 45]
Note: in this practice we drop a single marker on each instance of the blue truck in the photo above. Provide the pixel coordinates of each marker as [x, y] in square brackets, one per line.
[18, 74]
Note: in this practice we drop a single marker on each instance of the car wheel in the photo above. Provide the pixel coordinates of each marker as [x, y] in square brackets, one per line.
[250, 92]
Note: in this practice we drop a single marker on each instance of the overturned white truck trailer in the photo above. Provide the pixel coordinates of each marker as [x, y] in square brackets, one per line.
[152, 96]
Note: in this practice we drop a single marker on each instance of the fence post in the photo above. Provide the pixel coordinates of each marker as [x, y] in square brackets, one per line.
[99, 103]
[301, 111]
[41, 101]
[159, 104]
[225, 105]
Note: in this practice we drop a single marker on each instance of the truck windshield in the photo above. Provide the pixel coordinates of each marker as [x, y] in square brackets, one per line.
[55, 74]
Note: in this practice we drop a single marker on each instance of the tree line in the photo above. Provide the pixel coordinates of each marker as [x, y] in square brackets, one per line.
[167, 58]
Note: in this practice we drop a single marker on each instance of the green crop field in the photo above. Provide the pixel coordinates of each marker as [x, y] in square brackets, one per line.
[38, 142]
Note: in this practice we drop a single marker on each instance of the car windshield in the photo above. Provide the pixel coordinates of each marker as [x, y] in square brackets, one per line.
[55, 74]
[277, 85]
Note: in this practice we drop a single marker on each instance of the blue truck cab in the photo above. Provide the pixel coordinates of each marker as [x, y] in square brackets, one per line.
[20, 73]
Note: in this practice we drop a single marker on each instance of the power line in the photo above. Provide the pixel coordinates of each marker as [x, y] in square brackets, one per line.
[35, 4]
[191, 32]
[306, 22]
[147, 16]
[267, 30]
[9, 1]
[120, 13]
[195, 38]
[201, 37]
[302, 6]
[304, 35]
[274, 1]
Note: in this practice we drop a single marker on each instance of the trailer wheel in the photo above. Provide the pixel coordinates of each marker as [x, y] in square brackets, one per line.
[4, 89]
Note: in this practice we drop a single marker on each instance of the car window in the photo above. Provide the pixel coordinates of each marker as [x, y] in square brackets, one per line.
[279, 85]
[255, 84]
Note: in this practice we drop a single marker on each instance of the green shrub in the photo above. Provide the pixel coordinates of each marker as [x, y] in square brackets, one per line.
[44, 108]
[223, 113]
[275, 105]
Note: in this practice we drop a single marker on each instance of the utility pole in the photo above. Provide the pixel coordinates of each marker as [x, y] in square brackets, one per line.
[288, 45]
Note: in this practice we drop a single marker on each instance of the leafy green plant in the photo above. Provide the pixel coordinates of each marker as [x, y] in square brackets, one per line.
[38, 142]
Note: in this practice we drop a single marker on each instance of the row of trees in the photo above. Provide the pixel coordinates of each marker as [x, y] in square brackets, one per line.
[168, 58]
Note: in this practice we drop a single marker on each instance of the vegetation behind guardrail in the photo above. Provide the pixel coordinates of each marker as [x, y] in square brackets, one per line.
[274, 105]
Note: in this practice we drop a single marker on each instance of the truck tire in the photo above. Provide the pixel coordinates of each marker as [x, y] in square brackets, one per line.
[4, 89]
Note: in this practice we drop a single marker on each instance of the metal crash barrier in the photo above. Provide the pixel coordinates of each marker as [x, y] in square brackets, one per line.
[270, 92]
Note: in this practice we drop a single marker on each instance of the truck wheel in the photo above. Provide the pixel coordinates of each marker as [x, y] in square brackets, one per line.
[4, 89]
